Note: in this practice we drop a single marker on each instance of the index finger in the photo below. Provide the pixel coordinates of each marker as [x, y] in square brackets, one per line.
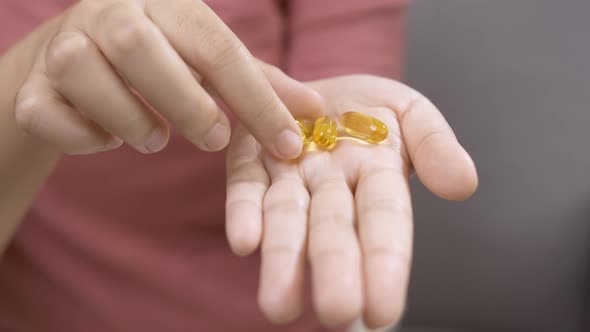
[212, 49]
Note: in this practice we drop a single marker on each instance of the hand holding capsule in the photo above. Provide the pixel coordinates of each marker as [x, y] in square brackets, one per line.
[347, 209]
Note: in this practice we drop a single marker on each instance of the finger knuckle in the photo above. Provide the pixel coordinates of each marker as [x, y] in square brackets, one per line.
[27, 108]
[193, 15]
[246, 173]
[415, 101]
[91, 7]
[289, 205]
[63, 50]
[426, 139]
[266, 114]
[386, 205]
[242, 205]
[218, 47]
[197, 124]
[220, 52]
[278, 249]
[287, 194]
[397, 254]
[123, 29]
[330, 222]
[324, 255]
[332, 183]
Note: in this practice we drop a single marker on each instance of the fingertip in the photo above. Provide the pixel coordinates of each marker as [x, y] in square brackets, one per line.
[155, 142]
[373, 322]
[243, 247]
[276, 309]
[335, 308]
[469, 182]
[289, 144]
[463, 182]
[218, 136]
[280, 295]
[386, 281]
[446, 169]
[243, 235]
[384, 314]
[338, 313]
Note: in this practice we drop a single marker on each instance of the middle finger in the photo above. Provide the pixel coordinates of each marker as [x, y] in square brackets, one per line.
[281, 276]
[333, 245]
[140, 52]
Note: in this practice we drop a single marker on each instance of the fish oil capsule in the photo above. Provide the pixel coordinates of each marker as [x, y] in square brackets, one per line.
[324, 131]
[364, 127]
[306, 127]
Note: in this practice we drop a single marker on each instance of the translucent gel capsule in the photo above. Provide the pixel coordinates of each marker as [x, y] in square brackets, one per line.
[363, 127]
[306, 127]
[325, 131]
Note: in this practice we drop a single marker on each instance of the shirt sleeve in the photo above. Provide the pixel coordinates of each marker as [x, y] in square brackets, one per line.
[337, 37]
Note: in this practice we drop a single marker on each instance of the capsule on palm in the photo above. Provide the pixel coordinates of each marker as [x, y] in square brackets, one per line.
[363, 127]
[325, 131]
[306, 127]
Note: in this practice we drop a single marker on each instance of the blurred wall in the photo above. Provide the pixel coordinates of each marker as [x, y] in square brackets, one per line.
[513, 79]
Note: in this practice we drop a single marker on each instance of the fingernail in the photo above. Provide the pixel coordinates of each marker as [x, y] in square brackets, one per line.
[113, 143]
[155, 142]
[217, 138]
[289, 144]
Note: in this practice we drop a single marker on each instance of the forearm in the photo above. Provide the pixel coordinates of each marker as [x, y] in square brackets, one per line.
[24, 161]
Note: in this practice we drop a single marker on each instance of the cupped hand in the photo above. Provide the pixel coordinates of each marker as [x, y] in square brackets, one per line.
[114, 71]
[346, 210]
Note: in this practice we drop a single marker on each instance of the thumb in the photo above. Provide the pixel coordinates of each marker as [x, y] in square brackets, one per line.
[301, 100]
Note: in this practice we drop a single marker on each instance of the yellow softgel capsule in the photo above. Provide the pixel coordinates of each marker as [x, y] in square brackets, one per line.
[364, 127]
[306, 127]
[325, 131]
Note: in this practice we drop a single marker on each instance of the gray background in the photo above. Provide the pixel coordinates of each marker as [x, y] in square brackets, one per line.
[513, 79]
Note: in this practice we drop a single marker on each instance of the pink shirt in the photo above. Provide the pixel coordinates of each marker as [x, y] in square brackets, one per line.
[127, 242]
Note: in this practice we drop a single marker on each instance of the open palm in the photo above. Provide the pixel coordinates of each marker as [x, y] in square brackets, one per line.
[347, 210]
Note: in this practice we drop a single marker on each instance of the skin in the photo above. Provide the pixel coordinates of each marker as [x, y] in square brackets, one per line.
[162, 51]
[108, 72]
[347, 210]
